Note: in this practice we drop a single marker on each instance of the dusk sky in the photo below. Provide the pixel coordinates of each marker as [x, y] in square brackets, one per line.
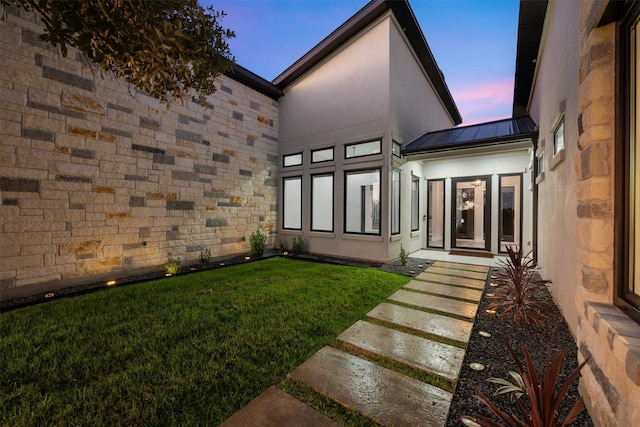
[473, 42]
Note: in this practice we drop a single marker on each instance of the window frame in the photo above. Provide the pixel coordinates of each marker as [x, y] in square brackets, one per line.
[393, 199]
[415, 204]
[333, 192]
[395, 144]
[347, 146]
[558, 124]
[284, 160]
[626, 145]
[333, 155]
[521, 206]
[442, 211]
[284, 201]
[346, 194]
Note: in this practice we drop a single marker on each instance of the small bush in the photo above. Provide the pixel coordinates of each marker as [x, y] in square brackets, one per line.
[519, 296]
[404, 256]
[205, 257]
[172, 266]
[258, 242]
[297, 245]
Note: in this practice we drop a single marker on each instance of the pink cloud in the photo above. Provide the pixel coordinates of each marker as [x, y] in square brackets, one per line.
[480, 102]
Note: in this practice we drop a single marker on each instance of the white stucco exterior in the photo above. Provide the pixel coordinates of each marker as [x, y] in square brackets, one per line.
[554, 96]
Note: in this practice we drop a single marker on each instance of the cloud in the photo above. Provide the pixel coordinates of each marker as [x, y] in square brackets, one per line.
[484, 101]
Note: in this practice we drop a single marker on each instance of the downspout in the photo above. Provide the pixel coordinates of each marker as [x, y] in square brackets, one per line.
[534, 175]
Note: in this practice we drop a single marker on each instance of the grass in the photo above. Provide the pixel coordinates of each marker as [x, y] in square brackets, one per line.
[188, 350]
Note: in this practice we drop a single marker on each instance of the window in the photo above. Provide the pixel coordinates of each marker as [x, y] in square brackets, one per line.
[435, 213]
[395, 202]
[415, 203]
[540, 160]
[558, 137]
[510, 220]
[362, 202]
[292, 160]
[628, 283]
[324, 155]
[362, 149]
[396, 149]
[322, 202]
[292, 202]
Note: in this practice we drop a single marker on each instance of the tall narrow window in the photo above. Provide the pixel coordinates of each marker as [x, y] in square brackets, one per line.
[292, 202]
[322, 202]
[362, 202]
[415, 203]
[558, 137]
[435, 212]
[510, 214]
[395, 202]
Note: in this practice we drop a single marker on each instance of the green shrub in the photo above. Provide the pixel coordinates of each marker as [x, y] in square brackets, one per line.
[281, 246]
[172, 266]
[404, 256]
[205, 257]
[297, 245]
[258, 242]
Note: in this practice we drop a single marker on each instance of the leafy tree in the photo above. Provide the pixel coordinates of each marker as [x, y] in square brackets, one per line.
[163, 47]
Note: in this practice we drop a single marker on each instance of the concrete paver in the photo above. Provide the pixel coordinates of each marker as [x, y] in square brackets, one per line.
[458, 273]
[430, 356]
[445, 290]
[432, 302]
[450, 280]
[387, 397]
[275, 408]
[460, 266]
[431, 323]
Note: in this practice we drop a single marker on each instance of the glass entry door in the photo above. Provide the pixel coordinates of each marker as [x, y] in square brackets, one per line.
[470, 228]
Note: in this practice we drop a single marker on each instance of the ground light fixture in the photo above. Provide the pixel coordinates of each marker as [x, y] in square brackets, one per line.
[111, 283]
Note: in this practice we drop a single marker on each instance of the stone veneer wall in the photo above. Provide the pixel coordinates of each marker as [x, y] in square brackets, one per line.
[611, 340]
[96, 178]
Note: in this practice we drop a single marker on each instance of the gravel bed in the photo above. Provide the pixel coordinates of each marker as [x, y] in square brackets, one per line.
[548, 339]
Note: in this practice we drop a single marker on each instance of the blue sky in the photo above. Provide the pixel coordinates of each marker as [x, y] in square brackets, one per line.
[473, 41]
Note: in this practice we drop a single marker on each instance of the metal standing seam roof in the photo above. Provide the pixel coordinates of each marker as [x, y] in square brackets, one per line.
[472, 136]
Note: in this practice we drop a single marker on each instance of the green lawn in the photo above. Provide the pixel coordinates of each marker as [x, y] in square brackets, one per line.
[186, 350]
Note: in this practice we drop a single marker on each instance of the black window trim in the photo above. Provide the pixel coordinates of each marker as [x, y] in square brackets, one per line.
[284, 179]
[333, 194]
[346, 147]
[344, 212]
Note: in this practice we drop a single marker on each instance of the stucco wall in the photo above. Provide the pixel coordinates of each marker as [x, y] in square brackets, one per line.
[97, 178]
[414, 109]
[555, 93]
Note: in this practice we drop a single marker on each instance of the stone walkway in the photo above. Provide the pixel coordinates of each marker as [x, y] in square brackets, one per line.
[425, 326]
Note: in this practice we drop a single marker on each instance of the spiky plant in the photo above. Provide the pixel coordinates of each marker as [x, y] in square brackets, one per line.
[545, 400]
[519, 296]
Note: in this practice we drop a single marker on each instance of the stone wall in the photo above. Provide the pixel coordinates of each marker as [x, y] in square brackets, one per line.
[97, 178]
[606, 336]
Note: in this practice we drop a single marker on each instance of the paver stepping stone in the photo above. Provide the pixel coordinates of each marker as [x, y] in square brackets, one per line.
[420, 353]
[458, 273]
[446, 290]
[275, 408]
[460, 266]
[387, 397]
[445, 305]
[431, 323]
[450, 280]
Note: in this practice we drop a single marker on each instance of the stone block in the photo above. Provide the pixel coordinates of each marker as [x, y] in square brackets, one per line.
[19, 185]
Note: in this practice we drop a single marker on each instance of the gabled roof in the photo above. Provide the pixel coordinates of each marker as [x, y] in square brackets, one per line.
[530, 23]
[374, 9]
[492, 133]
[254, 81]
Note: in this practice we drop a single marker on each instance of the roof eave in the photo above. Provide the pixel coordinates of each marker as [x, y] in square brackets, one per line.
[254, 81]
[472, 144]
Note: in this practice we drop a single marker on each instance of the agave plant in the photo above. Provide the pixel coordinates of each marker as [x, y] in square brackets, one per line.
[515, 389]
[519, 294]
[545, 397]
